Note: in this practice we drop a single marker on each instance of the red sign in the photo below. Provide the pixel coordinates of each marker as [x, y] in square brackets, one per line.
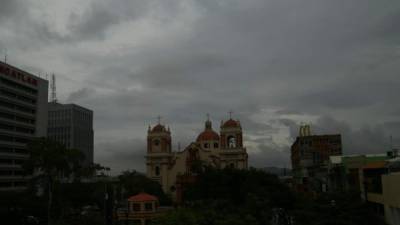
[18, 75]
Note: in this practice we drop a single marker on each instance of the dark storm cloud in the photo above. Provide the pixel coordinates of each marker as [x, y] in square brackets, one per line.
[9, 8]
[123, 154]
[275, 155]
[101, 15]
[80, 94]
[183, 59]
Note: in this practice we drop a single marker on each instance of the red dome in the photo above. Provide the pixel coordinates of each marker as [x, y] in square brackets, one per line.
[158, 128]
[142, 197]
[208, 135]
[231, 123]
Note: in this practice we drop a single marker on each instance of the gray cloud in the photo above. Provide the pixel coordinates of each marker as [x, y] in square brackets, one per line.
[274, 63]
[101, 15]
[123, 154]
[80, 94]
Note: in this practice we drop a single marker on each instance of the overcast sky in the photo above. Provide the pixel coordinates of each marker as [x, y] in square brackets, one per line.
[275, 63]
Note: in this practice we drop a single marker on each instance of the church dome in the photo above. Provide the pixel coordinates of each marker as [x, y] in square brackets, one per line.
[208, 135]
[231, 124]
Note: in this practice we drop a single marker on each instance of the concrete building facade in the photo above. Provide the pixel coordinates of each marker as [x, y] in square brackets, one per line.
[219, 150]
[23, 116]
[72, 125]
[380, 182]
[310, 157]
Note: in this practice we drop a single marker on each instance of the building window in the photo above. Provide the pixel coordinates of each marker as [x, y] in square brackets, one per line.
[157, 171]
[156, 142]
[148, 206]
[206, 145]
[215, 145]
[136, 207]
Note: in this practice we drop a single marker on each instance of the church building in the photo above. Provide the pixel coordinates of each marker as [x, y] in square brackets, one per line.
[220, 150]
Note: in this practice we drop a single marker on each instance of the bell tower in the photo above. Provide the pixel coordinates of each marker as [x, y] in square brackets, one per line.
[158, 157]
[231, 134]
[158, 139]
[232, 152]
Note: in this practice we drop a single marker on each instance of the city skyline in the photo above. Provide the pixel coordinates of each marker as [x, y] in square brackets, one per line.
[274, 63]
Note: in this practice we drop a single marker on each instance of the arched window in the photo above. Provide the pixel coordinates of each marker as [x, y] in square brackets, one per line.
[156, 142]
[206, 145]
[231, 142]
[215, 145]
[157, 171]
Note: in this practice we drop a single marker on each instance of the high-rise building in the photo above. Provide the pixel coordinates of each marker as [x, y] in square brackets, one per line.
[310, 158]
[23, 116]
[72, 125]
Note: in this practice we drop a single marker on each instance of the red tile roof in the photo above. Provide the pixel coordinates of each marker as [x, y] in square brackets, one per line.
[142, 197]
[208, 135]
[231, 123]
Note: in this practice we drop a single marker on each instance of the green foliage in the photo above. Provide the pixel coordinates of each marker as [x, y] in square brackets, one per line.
[50, 159]
[253, 188]
[253, 197]
[190, 216]
[132, 183]
[15, 206]
[231, 196]
[178, 217]
[335, 208]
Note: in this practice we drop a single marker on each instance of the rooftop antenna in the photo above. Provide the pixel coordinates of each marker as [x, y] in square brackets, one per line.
[5, 56]
[208, 116]
[53, 89]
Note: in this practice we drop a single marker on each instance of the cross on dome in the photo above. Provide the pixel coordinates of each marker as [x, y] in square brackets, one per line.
[159, 119]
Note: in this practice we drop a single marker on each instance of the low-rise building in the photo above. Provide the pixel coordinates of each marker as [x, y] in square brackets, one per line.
[380, 188]
[344, 171]
[310, 157]
[140, 209]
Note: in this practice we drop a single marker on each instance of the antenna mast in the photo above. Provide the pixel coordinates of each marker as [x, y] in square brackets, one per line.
[53, 88]
[5, 56]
